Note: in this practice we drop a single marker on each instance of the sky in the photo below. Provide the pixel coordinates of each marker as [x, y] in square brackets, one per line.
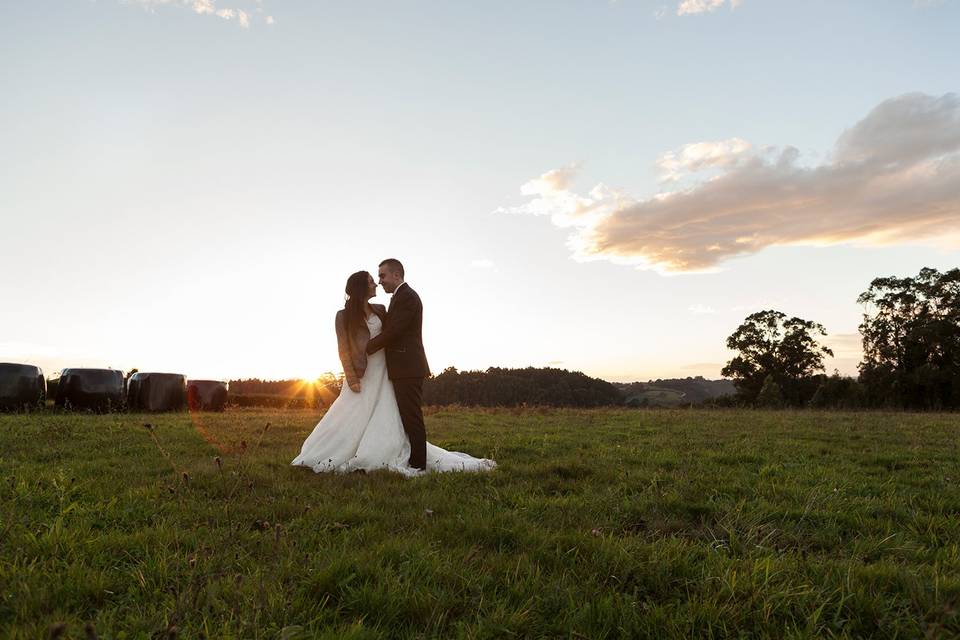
[595, 185]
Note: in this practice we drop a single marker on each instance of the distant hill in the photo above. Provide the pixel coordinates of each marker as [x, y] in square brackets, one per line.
[674, 392]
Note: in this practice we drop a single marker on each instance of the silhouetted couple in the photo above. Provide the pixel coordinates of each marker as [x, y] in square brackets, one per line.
[377, 420]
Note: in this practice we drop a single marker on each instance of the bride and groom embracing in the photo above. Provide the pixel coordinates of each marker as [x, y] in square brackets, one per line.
[377, 420]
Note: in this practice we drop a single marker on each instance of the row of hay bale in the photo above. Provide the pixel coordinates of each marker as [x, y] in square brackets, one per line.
[23, 385]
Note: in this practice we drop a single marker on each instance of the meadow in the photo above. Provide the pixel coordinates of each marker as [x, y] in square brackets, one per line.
[597, 524]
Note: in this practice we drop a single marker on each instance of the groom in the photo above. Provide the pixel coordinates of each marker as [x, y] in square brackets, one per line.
[406, 361]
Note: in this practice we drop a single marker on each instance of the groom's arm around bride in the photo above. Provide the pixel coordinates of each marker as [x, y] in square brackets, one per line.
[402, 336]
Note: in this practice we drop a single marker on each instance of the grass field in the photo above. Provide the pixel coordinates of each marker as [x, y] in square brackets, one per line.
[602, 523]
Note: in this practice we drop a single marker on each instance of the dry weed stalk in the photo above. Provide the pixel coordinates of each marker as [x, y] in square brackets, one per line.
[184, 476]
[241, 467]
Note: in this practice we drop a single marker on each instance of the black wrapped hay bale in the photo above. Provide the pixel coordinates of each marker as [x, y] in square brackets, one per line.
[207, 395]
[97, 389]
[21, 385]
[157, 391]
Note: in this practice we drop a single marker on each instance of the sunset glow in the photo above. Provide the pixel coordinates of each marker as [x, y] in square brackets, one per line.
[561, 192]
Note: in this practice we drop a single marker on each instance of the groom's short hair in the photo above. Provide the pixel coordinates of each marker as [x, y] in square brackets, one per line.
[393, 265]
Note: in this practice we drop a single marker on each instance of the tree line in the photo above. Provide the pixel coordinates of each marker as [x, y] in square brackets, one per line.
[498, 387]
[495, 387]
[910, 332]
[911, 351]
[514, 387]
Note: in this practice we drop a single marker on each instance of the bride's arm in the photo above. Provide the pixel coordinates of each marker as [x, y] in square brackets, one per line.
[343, 347]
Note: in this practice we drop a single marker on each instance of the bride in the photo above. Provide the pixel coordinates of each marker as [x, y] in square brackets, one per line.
[362, 429]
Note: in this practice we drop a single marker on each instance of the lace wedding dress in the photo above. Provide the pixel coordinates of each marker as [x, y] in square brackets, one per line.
[363, 430]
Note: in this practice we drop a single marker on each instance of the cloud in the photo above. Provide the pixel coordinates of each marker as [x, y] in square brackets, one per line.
[695, 7]
[201, 6]
[701, 309]
[701, 155]
[553, 197]
[554, 180]
[207, 7]
[483, 263]
[892, 177]
[698, 7]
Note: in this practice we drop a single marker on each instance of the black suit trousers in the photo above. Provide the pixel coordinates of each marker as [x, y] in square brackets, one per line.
[409, 392]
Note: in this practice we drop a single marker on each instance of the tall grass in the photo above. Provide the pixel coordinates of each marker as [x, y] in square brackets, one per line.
[597, 524]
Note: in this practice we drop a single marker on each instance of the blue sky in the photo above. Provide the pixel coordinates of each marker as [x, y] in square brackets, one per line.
[180, 191]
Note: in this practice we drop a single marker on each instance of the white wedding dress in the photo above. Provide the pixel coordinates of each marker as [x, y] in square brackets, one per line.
[363, 431]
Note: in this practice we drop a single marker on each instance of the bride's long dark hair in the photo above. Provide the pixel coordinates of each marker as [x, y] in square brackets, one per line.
[356, 291]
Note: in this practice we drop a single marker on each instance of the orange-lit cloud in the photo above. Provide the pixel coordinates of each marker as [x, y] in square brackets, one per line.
[892, 177]
[701, 155]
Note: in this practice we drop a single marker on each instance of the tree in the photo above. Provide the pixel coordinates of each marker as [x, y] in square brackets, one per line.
[911, 340]
[838, 392]
[770, 395]
[785, 349]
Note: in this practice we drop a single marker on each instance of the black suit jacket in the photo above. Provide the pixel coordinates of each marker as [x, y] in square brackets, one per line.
[402, 336]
